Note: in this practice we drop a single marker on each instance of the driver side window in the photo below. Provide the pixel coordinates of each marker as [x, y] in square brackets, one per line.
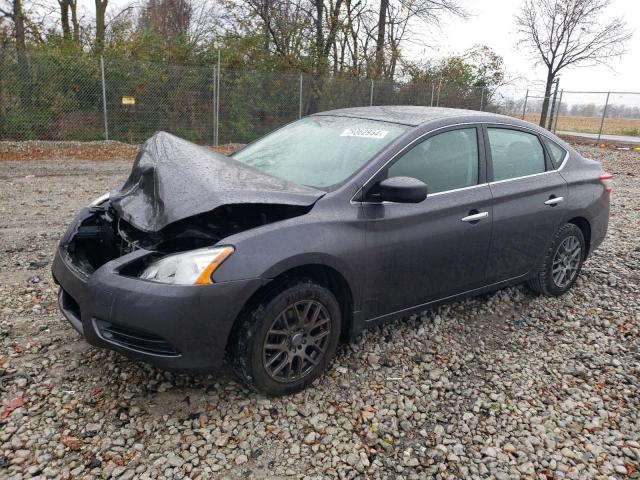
[446, 161]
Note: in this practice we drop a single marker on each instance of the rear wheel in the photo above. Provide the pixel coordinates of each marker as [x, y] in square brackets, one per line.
[287, 341]
[561, 264]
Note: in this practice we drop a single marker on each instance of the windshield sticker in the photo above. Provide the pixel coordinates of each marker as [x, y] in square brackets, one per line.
[364, 133]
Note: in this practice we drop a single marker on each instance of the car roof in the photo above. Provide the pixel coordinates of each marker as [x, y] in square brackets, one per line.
[416, 115]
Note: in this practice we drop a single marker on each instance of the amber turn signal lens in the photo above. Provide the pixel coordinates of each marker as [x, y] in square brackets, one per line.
[205, 277]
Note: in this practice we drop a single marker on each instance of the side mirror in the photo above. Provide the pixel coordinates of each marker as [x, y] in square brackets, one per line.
[402, 190]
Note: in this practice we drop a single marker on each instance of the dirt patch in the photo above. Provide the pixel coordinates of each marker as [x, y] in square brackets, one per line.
[605, 144]
[99, 151]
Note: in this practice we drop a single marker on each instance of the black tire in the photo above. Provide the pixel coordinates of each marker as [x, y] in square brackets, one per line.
[544, 278]
[256, 364]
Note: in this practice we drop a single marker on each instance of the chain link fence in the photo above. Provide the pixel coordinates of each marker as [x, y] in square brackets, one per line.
[54, 97]
[594, 115]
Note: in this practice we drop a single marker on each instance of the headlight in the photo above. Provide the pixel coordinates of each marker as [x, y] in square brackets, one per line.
[188, 268]
[99, 200]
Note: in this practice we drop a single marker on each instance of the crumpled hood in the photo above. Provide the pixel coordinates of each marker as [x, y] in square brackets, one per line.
[173, 179]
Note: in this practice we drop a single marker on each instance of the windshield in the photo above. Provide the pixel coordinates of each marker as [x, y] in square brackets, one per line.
[319, 151]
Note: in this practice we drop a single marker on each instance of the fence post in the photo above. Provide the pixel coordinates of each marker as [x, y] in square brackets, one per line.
[604, 113]
[213, 107]
[481, 97]
[371, 94]
[104, 100]
[555, 123]
[218, 73]
[524, 109]
[300, 95]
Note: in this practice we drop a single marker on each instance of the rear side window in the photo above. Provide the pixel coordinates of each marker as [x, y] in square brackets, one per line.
[445, 161]
[515, 153]
[556, 151]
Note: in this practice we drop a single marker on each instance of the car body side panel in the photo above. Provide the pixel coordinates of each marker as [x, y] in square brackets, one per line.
[424, 251]
[329, 235]
[523, 225]
[587, 196]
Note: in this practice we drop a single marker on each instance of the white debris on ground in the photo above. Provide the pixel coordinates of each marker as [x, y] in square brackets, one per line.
[506, 385]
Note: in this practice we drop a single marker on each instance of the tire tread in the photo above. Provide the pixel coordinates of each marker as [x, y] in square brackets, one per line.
[540, 280]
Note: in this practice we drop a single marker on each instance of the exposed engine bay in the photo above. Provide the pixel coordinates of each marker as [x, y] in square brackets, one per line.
[103, 236]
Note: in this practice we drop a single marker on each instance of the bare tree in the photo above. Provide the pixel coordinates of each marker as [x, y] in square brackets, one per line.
[64, 19]
[395, 17]
[565, 33]
[101, 8]
[17, 15]
[380, 39]
[168, 18]
[73, 7]
[286, 25]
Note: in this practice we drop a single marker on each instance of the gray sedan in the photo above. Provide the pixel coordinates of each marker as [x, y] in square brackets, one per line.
[330, 225]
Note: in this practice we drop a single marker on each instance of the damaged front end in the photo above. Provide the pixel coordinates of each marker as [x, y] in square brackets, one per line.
[179, 197]
[101, 235]
[132, 264]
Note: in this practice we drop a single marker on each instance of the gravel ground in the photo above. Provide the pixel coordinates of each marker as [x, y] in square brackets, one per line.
[506, 385]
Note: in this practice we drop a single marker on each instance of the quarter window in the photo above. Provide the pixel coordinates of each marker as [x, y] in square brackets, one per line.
[515, 153]
[557, 152]
[445, 161]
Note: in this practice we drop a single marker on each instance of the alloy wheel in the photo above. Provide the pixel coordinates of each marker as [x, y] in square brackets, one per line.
[566, 261]
[296, 341]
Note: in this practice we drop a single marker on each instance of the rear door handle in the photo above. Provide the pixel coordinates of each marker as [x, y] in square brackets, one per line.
[475, 217]
[554, 201]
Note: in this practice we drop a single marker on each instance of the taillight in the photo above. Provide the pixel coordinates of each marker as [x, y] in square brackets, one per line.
[606, 179]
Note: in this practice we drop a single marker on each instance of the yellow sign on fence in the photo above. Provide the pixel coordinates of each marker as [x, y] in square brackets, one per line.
[128, 100]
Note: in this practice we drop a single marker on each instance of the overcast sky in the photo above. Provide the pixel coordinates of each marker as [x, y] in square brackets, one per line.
[492, 23]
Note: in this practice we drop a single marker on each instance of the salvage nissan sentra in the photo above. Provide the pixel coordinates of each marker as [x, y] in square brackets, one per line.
[334, 223]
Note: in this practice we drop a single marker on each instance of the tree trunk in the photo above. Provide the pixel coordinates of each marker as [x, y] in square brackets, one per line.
[101, 7]
[21, 50]
[382, 23]
[319, 46]
[73, 4]
[64, 19]
[547, 97]
[266, 22]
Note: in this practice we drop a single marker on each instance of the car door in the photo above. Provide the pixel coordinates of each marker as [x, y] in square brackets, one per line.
[438, 247]
[529, 200]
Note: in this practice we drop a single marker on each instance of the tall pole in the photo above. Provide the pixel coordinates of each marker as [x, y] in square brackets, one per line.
[433, 89]
[481, 98]
[371, 94]
[524, 109]
[604, 113]
[213, 108]
[104, 100]
[217, 126]
[300, 98]
[439, 90]
[555, 124]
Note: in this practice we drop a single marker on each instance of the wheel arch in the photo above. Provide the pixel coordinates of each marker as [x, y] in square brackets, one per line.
[585, 227]
[322, 274]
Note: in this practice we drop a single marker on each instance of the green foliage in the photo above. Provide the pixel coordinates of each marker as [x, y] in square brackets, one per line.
[17, 125]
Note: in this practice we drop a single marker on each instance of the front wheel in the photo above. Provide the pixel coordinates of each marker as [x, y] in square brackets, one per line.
[287, 341]
[561, 264]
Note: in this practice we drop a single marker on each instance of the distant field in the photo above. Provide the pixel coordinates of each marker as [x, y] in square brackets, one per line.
[612, 126]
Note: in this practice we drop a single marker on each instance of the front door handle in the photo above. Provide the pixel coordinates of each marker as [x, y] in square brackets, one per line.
[475, 217]
[554, 201]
